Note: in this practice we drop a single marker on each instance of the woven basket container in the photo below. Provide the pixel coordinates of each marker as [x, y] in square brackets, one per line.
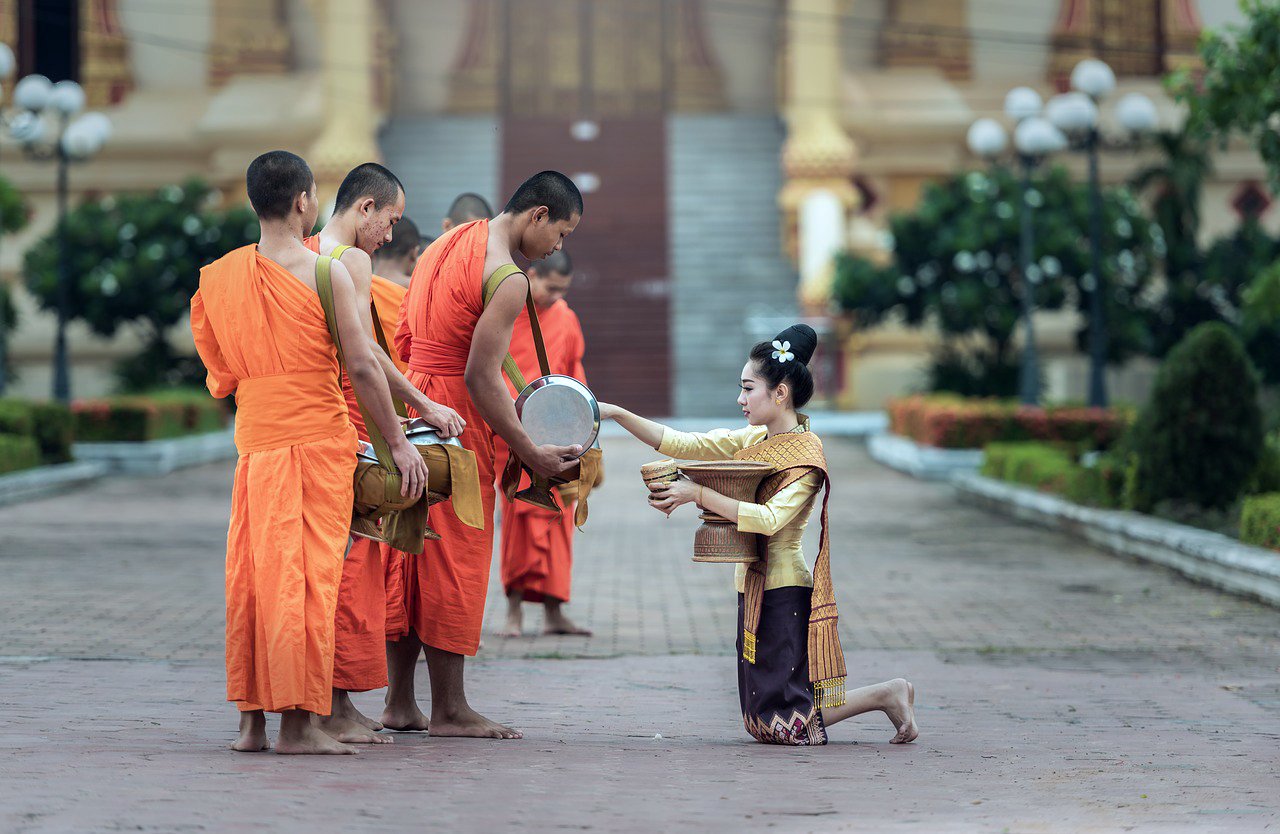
[718, 539]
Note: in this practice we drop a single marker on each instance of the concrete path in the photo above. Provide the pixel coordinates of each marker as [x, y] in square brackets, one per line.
[1060, 689]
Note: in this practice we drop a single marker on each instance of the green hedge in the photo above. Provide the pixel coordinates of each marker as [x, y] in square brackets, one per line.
[1054, 468]
[157, 416]
[1260, 520]
[50, 424]
[18, 452]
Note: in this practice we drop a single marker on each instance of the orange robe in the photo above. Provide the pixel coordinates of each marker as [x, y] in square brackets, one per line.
[439, 594]
[262, 336]
[537, 545]
[359, 645]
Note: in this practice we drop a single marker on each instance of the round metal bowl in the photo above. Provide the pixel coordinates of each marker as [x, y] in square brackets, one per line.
[559, 410]
[422, 433]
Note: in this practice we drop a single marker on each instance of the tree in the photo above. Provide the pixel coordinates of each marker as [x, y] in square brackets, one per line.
[136, 261]
[1176, 184]
[1199, 436]
[13, 218]
[1237, 91]
[956, 261]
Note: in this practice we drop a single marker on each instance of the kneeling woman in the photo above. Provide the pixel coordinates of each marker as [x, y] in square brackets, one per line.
[790, 667]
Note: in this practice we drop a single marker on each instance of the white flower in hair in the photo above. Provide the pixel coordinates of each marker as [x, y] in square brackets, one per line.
[782, 351]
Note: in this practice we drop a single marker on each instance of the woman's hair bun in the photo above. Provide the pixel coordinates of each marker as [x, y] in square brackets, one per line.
[803, 339]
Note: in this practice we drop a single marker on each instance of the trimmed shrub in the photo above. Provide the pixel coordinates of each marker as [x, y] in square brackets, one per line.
[49, 423]
[1199, 437]
[1260, 520]
[957, 423]
[54, 430]
[16, 418]
[1053, 468]
[159, 416]
[18, 452]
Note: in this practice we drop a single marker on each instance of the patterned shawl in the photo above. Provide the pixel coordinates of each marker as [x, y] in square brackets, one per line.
[795, 454]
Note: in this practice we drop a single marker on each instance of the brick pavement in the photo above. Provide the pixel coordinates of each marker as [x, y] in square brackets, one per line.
[1058, 685]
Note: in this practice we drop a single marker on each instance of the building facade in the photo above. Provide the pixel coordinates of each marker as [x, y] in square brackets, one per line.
[726, 148]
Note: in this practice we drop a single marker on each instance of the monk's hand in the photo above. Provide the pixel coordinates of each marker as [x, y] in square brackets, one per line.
[551, 460]
[442, 418]
[666, 497]
[413, 469]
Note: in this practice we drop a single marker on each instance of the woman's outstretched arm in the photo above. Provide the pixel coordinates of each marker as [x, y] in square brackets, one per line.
[646, 431]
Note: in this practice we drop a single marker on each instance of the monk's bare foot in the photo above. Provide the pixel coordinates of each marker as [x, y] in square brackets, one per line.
[364, 720]
[344, 708]
[901, 709]
[349, 731]
[514, 626]
[300, 737]
[467, 723]
[253, 733]
[560, 624]
[405, 719]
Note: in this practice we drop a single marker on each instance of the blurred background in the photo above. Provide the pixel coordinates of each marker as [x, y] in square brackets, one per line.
[744, 162]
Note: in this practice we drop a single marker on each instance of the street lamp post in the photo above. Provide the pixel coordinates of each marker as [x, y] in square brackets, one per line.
[1034, 137]
[37, 99]
[1076, 114]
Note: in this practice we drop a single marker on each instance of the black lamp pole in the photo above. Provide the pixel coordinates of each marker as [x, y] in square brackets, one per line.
[1097, 298]
[1029, 370]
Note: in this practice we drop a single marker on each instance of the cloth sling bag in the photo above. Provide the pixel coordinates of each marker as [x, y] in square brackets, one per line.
[795, 455]
[403, 525]
[589, 465]
[377, 486]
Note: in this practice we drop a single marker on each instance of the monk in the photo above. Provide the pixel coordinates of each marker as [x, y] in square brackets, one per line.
[394, 261]
[466, 208]
[366, 214]
[455, 346]
[261, 332]
[537, 545]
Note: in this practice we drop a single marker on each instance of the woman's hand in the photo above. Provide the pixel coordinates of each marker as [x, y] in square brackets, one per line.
[667, 496]
[609, 411]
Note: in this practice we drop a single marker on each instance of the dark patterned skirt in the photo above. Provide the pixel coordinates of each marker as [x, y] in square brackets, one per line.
[776, 695]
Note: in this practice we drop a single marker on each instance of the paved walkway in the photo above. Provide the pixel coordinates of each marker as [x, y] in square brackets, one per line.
[1060, 689]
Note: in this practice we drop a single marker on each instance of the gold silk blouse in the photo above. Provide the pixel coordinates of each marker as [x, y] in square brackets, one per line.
[783, 518]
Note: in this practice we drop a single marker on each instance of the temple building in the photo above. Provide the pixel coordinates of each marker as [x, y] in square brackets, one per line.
[726, 148]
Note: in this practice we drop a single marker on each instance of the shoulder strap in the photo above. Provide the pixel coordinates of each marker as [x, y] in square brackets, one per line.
[336, 254]
[324, 288]
[509, 365]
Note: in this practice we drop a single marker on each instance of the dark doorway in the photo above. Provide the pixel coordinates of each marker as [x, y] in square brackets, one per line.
[49, 38]
[619, 251]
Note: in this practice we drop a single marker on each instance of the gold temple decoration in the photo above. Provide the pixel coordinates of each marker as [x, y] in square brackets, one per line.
[819, 154]
[352, 114]
[596, 58]
[1136, 37]
[927, 33]
[104, 71]
[250, 37]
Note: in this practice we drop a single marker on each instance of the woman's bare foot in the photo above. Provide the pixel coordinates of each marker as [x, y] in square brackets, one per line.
[409, 719]
[350, 731]
[901, 709]
[253, 733]
[300, 737]
[468, 723]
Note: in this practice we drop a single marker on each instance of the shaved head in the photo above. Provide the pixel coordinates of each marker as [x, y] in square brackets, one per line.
[468, 207]
[274, 180]
[368, 180]
[557, 262]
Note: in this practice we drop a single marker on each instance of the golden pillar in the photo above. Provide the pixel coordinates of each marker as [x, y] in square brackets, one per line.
[352, 111]
[819, 157]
